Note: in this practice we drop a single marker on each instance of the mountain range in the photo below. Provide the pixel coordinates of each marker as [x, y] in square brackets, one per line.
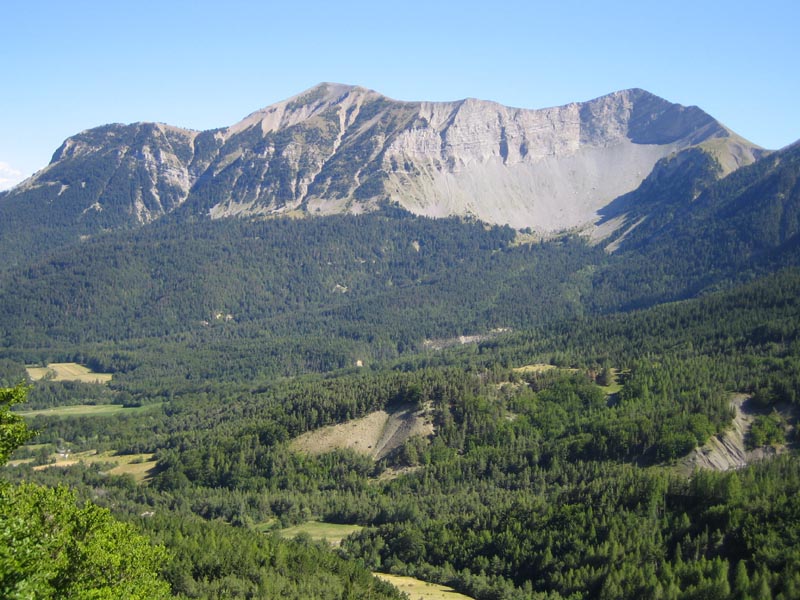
[149, 230]
[344, 149]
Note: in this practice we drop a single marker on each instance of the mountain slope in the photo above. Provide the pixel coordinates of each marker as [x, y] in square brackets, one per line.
[385, 278]
[384, 281]
[683, 232]
[338, 148]
[111, 177]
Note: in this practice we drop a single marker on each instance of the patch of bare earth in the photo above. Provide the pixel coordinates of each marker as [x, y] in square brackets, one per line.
[378, 434]
[442, 343]
[728, 450]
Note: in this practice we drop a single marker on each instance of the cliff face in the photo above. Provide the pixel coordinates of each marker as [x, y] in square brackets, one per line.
[116, 174]
[338, 148]
[548, 169]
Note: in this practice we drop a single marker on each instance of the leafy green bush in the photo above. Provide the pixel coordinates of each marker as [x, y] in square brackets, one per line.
[765, 431]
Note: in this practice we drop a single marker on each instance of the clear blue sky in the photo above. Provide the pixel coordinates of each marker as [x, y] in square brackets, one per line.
[71, 65]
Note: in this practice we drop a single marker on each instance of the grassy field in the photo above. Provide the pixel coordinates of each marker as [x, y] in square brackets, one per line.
[137, 465]
[615, 386]
[84, 410]
[67, 372]
[422, 590]
[331, 532]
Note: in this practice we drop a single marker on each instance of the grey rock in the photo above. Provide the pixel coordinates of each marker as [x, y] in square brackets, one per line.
[338, 148]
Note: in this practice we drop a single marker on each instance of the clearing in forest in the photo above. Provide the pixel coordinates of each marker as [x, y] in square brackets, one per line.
[421, 590]
[67, 372]
[333, 533]
[534, 368]
[137, 465]
[377, 434]
[84, 410]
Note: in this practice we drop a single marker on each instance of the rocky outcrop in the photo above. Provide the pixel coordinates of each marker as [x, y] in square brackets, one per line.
[728, 450]
[117, 174]
[377, 435]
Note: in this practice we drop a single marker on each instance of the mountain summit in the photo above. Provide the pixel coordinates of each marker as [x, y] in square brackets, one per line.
[338, 148]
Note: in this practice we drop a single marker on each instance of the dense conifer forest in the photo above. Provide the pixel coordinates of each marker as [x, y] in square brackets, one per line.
[569, 391]
[536, 484]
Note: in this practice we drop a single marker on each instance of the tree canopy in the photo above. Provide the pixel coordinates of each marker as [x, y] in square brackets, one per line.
[52, 548]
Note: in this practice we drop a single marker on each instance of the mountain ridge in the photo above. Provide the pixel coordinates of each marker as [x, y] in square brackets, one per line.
[337, 148]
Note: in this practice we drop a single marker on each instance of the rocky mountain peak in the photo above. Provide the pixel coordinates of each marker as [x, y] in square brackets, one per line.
[302, 107]
[341, 148]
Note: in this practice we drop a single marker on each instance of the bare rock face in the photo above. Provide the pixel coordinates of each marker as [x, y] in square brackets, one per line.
[550, 169]
[338, 148]
[116, 174]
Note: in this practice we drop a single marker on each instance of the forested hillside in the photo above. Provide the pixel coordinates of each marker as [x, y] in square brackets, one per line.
[537, 482]
[318, 294]
[567, 386]
[691, 233]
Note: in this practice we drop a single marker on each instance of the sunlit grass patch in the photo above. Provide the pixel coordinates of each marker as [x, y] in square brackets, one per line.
[334, 533]
[136, 465]
[422, 590]
[67, 372]
[84, 410]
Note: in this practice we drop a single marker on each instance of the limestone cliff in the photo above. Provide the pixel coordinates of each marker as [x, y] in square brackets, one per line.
[338, 148]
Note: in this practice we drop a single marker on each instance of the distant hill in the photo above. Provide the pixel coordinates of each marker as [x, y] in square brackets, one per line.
[84, 265]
